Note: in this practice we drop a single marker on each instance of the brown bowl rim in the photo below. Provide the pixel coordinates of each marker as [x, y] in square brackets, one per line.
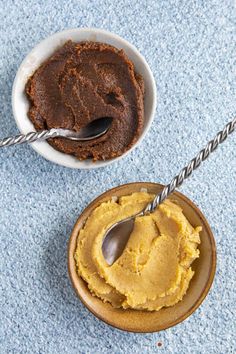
[71, 264]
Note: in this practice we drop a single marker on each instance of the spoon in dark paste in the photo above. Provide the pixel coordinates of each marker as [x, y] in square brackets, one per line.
[92, 130]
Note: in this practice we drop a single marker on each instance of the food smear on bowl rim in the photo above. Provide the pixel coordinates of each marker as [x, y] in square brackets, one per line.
[154, 270]
[82, 82]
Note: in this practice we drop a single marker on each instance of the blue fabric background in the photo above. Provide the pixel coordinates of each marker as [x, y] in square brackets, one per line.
[190, 46]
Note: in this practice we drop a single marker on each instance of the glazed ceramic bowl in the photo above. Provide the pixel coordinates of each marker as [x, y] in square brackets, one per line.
[144, 321]
[41, 52]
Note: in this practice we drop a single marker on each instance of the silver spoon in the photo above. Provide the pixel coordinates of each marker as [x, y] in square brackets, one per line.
[117, 236]
[93, 130]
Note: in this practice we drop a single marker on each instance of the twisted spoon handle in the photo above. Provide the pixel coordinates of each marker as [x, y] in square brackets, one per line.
[28, 138]
[193, 164]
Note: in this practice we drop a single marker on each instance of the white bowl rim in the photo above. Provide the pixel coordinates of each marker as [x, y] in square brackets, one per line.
[68, 160]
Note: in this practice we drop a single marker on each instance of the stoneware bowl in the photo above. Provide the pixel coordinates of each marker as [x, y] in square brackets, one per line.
[144, 321]
[41, 52]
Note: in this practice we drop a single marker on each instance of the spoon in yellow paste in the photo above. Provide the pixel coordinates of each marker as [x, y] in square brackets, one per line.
[117, 236]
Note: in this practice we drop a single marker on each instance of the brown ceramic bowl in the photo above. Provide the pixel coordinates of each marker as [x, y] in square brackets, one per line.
[144, 321]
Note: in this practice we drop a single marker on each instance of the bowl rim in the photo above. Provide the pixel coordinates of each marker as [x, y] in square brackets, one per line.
[67, 160]
[74, 277]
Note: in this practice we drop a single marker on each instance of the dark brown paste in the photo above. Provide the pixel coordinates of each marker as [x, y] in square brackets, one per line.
[82, 82]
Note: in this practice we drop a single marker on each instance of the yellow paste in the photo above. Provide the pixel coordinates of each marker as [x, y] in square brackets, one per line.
[154, 270]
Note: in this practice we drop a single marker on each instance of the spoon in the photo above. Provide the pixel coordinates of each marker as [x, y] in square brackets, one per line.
[117, 236]
[92, 130]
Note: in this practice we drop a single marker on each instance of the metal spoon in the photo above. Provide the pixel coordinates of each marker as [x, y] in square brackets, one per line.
[117, 236]
[93, 130]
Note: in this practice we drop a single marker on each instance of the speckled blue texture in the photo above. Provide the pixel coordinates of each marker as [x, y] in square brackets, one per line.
[191, 48]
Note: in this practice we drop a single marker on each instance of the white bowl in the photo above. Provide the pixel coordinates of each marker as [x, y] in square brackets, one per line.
[41, 52]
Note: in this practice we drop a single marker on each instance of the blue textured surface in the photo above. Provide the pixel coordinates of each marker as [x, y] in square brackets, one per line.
[191, 48]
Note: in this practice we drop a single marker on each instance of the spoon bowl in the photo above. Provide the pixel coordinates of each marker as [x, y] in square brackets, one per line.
[116, 239]
[92, 130]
